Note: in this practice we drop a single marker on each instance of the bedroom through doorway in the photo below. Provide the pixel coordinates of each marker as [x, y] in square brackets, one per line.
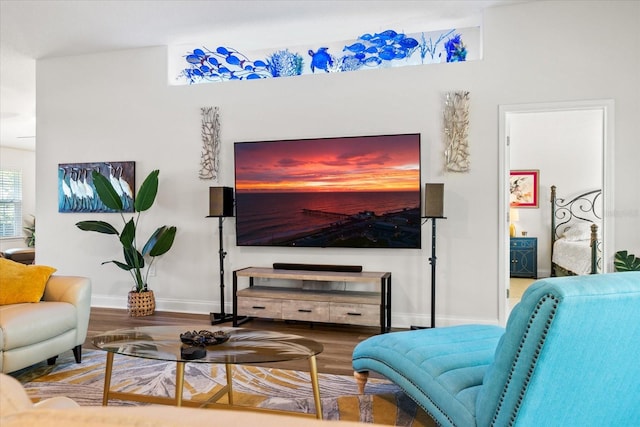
[568, 145]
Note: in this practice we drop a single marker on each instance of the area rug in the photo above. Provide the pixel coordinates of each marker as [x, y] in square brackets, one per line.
[382, 403]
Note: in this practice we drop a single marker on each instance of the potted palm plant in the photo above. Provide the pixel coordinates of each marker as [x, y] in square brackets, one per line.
[30, 232]
[141, 300]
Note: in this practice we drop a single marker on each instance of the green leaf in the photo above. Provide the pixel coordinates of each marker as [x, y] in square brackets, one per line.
[127, 238]
[147, 193]
[153, 240]
[132, 257]
[98, 226]
[161, 241]
[122, 265]
[624, 261]
[106, 192]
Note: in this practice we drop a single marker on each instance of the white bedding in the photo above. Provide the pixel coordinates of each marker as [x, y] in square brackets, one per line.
[574, 256]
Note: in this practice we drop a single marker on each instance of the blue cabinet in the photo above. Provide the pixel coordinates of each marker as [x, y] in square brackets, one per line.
[523, 254]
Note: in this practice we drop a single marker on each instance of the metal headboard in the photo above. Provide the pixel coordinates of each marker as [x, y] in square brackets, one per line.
[582, 207]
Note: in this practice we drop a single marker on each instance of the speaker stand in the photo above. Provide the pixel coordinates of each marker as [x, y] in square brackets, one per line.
[432, 261]
[221, 317]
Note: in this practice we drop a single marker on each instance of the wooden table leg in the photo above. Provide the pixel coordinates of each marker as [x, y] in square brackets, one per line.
[316, 387]
[229, 383]
[361, 380]
[107, 379]
[179, 382]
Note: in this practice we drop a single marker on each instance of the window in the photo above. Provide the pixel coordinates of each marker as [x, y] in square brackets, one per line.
[10, 203]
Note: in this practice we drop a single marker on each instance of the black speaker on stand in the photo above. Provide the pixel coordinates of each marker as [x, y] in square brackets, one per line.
[220, 206]
[433, 210]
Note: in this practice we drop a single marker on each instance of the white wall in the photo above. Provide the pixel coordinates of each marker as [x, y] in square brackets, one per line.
[24, 161]
[567, 148]
[117, 106]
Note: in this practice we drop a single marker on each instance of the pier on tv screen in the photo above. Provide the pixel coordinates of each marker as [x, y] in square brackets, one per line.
[355, 192]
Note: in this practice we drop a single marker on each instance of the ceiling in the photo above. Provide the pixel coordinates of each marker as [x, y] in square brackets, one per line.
[31, 30]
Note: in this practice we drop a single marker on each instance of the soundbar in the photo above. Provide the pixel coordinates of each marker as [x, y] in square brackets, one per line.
[317, 267]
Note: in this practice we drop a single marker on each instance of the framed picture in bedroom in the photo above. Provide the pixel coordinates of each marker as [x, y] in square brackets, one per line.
[523, 188]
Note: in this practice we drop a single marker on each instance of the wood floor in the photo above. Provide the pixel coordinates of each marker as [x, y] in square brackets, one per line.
[338, 340]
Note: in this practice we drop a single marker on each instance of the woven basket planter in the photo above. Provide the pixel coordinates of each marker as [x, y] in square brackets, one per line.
[141, 303]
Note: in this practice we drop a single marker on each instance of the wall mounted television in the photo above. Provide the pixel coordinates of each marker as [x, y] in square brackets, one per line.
[356, 192]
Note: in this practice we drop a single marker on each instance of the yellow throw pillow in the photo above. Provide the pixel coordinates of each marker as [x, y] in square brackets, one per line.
[22, 283]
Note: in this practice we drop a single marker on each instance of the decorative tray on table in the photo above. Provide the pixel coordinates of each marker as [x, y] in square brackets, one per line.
[204, 338]
[197, 341]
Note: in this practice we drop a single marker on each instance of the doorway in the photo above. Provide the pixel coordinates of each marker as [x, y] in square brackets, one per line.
[557, 129]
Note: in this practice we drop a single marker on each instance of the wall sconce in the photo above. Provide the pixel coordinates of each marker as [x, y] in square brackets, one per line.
[456, 131]
[210, 133]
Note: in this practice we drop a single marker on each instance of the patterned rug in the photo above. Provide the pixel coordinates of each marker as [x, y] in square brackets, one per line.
[382, 403]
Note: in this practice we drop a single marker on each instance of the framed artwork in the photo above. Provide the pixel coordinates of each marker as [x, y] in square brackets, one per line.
[76, 192]
[523, 188]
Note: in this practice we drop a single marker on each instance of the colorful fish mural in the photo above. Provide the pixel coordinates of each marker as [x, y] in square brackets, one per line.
[388, 48]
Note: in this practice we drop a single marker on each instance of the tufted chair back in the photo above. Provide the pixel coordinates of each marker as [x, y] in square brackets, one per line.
[569, 356]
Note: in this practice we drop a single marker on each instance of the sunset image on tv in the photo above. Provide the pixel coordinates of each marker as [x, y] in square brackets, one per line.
[349, 192]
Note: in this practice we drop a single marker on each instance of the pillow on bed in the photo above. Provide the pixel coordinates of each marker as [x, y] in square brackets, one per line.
[578, 231]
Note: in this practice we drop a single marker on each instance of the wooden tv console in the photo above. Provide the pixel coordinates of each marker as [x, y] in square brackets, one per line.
[368, 308]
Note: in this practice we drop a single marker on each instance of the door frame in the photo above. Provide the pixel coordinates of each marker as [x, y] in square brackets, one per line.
[504, 111]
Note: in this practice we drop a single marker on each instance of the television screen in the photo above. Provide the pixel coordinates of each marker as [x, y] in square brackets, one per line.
[357, 192]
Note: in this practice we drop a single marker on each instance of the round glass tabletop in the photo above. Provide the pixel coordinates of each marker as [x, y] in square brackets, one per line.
[243, 346]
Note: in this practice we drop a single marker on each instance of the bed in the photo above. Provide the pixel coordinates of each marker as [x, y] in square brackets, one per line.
[575, 243]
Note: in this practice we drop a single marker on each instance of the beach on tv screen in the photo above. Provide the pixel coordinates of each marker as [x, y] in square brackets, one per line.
[357, 192]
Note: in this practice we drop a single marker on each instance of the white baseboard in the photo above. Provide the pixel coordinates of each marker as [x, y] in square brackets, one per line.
[406, 320]
[162, 304]
[398, 320]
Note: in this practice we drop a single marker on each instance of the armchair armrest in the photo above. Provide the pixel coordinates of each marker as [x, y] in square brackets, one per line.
[75, 290]
[13, 397]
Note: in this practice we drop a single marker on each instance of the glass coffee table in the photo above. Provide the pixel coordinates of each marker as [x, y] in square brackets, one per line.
[244, 346]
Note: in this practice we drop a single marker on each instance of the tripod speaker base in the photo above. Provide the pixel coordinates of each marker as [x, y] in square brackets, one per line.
[217, 318]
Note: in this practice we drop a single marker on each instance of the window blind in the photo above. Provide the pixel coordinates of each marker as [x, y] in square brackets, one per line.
[10, 203]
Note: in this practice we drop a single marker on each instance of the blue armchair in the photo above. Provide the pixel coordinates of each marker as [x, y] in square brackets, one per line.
[569, 356]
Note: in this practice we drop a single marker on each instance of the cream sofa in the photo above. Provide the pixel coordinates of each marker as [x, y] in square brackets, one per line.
[16, 410]
[33, 332]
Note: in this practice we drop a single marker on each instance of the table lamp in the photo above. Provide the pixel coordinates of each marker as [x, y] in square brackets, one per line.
[514, 217]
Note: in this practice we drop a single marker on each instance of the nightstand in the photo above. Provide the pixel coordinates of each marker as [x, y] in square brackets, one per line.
[523, 254]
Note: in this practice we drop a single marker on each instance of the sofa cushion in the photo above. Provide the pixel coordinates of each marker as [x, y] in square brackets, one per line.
[26, 324]
[21, 283]
[441, 369]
